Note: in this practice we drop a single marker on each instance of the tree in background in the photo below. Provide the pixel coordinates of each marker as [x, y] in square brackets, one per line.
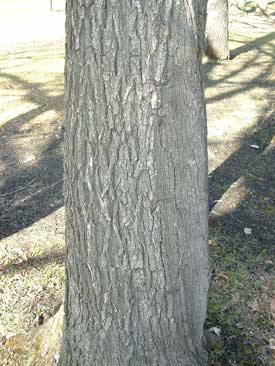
[135, 184]
[217, 30]
[241, 4]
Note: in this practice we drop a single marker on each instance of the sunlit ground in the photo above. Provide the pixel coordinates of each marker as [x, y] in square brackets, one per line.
[30, 21]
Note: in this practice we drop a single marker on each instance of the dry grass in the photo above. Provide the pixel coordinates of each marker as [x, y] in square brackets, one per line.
[31, 215]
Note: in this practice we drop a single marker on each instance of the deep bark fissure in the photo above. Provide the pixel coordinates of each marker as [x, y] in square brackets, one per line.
[135, 184]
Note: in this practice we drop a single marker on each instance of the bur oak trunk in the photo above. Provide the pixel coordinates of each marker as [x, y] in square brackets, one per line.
[217, 30]
[135, 184]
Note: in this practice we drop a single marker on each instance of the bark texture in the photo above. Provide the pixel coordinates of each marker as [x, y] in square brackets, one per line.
[217, 30]
[200, 12]
[135, 185]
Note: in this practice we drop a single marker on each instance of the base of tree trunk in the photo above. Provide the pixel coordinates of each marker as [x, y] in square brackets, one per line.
[213, 56]
[217, 47]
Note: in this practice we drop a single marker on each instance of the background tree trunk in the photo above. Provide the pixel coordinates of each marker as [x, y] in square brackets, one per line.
[217, 30]
[200, 7]
[135, 185]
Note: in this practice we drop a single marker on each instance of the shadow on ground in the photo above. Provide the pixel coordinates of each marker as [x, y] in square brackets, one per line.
[251, 169]
[30, 189]
[242, 196]
[256, 44]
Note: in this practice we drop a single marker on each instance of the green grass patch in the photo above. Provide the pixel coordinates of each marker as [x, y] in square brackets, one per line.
[237, 303]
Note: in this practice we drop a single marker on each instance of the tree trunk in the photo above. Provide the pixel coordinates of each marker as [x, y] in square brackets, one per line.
[200, 7]
[217, 30]
[135, 185]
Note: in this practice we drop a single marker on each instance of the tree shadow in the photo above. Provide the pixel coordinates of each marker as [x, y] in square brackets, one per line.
[241, 164]
[251, 146]
[242, 195]
[253, 60]
[222, 83]
[256, 44]
[254, 162]
[33, 262]
[30, 190]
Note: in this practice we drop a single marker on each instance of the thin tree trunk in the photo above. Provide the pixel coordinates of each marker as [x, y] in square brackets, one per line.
[217, 30]
[200, 7]
[135, 185]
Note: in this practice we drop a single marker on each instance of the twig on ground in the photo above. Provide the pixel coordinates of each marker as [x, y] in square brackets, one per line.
[55, 183]
[22, 188]
[17, 190]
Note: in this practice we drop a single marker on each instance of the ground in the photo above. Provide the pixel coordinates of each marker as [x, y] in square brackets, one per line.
[240, 96]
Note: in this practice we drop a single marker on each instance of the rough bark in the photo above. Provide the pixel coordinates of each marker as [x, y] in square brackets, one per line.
[217, 30]
[200, 8]
[135, 185]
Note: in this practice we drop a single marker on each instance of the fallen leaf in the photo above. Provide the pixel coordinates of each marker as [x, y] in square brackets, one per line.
[272, 307]
[216, 331]
[221, 275]
[272, 343]
[236, 298]
[254, 305]
[255, 146]
[247, 231]
[56, 358]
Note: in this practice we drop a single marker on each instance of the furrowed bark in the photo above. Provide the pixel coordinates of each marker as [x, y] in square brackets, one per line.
[135, 185]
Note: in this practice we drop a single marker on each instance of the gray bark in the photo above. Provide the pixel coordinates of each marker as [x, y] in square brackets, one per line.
[135, 185]
[200, 11]
[217, 30]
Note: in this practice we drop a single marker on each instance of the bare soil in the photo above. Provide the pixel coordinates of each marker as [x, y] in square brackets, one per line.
[240, 96]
